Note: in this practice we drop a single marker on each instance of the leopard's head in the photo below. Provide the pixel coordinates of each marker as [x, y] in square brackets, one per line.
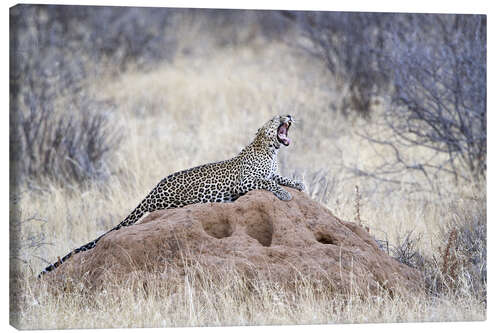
[274, 133]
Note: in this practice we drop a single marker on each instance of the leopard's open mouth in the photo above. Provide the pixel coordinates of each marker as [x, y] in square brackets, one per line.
[283, 133]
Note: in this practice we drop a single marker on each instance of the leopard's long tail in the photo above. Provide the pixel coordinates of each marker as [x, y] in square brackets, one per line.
[132, 218]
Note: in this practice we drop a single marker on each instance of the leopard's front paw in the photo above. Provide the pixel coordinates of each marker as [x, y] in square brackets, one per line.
[283, 195]
[299, 186]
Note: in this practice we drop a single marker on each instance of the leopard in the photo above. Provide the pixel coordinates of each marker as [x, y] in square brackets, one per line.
[255, 167]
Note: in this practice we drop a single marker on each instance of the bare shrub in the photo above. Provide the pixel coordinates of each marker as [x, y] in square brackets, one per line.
[64, 147]
[438, 65]
[459, 266]
[119, 34]
[22, 246]
[406, 251]
[348, 44]
[432, 70]
[57, 130]
[54, 49]
[467, 267]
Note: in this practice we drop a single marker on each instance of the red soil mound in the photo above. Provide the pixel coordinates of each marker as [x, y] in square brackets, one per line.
[258, 235]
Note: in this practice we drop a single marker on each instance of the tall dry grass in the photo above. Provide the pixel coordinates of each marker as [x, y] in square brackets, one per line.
[204, 297]
[200, 109]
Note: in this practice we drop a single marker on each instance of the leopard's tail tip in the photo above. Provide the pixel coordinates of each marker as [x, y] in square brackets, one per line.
[42, 273]
[48, 269]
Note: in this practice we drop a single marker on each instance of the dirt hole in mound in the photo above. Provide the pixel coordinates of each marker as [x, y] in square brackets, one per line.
[218, 228]
[325, 238]
[261, 230]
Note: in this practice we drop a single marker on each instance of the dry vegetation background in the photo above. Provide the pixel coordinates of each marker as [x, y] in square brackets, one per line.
[108, 101]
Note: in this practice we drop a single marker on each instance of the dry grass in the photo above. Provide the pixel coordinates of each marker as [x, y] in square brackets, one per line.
[210, 298]
[203, 109]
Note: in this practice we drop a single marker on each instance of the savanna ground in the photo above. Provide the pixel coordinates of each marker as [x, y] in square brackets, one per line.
[204, 105]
